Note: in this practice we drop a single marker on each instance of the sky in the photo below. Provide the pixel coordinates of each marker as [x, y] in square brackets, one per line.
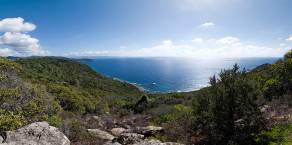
[146, 28]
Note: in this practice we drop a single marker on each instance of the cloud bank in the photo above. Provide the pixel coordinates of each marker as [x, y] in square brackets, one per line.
[16, 41]
[226, 47]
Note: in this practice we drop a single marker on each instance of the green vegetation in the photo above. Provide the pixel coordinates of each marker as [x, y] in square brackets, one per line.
[281, 134]
[229, 111]
[10, 121]
[77, 87]
[56, 90]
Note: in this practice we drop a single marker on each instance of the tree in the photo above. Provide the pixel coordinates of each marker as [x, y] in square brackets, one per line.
[229, 113]
[141, 105]
[288, 55]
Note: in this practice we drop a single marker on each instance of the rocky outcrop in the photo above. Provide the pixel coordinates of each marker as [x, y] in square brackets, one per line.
[130, 138]
[136, 136]
[149, 130]
[103, 135]
[122, 136]
[145, 142]
[38, 133]
[127, 131]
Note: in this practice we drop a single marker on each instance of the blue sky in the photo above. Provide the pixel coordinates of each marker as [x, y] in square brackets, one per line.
[178, 28]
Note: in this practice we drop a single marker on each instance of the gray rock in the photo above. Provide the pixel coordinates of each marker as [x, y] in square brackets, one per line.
[149, 130]
[149, 142]
[112, 143]
[118, 131]
[99, 121]
[101, 134]
[1, 139]
[155, 142]
[130, 138]
[172, 143]
[38, 133]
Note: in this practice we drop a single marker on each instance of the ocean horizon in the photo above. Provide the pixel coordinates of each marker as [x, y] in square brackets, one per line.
[163, 75]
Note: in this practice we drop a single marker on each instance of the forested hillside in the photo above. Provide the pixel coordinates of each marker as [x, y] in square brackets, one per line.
[57, 90]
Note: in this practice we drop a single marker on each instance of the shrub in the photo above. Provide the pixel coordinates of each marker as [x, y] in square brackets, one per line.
[10, 121]
[278, 135]
[55, 121]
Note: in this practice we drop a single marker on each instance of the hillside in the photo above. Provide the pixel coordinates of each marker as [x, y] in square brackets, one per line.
[56, 90]
[239, 107]
[77, 86]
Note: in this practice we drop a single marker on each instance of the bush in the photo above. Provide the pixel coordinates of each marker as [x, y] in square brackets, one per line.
[55, 121]
[178, 123]
[10, 121]
[278, 135]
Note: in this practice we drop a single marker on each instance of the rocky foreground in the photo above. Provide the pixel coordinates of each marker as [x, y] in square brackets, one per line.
[41, 133]
[38, 133]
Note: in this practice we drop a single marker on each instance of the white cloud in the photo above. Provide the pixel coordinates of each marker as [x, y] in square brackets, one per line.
[16, 25]
[282, 44]
[225, 47]
[16, 41]
[229, 41]
[289, 39]
[207, 25]
[123, 47]
[21, 44]
[198, 40]
[7, 52]
[19, 40]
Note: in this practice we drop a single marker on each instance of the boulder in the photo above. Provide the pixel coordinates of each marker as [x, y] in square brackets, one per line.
[1, 139]
[38, 133]
[118, 131]
[130, 138]
[149, 130]
[101, 134]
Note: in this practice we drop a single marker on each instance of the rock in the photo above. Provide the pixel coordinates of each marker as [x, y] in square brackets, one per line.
[172, 143]
[112, 143]
[101, 134]
[155, 142]
[38, 133]
[96, 117]
[118, 131]
[130, 138]
[149, 130]
[1, 139]
[99, 120]
[149, 142]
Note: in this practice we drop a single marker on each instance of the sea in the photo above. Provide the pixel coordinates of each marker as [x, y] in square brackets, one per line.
[161, 75]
